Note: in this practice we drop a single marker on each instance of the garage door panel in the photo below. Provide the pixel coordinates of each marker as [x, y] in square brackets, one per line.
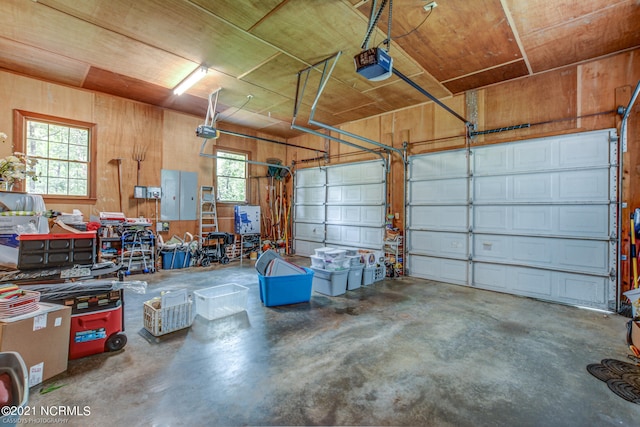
[580, 289]
[569, 288]
[365, 237]
[310, 213]
[584, 150]
[446, 218]
[309, 195]
[539, 219]
[356, 194]
[441, 269]
[451, 164]
[313, 232]
[453, 245]
[312, 177]
[357, 173]
[306, 248]
[570, 186]
[584, 221]
[356, 215]
[440, 191]
[562, 254]
[588, 221]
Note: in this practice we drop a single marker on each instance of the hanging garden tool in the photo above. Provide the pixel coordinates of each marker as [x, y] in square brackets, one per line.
[139, 155]
[634, 257]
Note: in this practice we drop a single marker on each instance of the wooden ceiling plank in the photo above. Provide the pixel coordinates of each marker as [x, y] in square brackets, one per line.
[516, 35]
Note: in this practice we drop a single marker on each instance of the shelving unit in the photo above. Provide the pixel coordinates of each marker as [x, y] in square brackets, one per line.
[393, 256]
[248, 244]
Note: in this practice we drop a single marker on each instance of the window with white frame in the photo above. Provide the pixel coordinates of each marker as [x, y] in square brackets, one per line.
[231, 173]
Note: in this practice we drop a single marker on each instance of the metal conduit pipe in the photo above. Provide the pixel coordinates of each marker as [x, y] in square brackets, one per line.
[431, 97]
[252, 162]
[341, 141]
[258, 138]
[623, 148]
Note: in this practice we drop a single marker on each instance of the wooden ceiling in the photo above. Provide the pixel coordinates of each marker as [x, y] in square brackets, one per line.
[142, 49]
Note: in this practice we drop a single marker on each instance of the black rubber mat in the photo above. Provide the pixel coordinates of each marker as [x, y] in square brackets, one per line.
[620, 367]
[601, 372]
[624, 390]
[622, 378]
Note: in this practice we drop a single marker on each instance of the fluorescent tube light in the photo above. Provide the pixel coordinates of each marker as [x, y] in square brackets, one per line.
[191, 79]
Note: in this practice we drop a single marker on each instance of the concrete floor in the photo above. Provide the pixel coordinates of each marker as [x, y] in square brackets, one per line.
[400, 352]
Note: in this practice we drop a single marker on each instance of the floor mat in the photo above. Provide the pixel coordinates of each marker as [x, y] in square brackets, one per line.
[622, 378]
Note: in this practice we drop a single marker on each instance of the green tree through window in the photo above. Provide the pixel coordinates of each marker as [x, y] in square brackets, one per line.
[231, 170]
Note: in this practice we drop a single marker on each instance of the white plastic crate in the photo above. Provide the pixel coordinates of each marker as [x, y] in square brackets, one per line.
[379, 274]
[160, 320]
[220, 301]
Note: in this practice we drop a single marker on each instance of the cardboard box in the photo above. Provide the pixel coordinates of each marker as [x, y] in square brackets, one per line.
[41, 338]
[635, 333]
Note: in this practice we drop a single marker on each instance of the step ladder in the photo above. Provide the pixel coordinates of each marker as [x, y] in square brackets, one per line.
[208, 212]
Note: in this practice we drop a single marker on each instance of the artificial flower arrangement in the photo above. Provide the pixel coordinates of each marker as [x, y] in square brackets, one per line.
[17, 166]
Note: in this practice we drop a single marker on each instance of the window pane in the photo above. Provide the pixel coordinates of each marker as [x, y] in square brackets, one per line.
[57, 186]
[77, 187]
[231, 189]
[77, 170]
[37, 148]
[58, 151]
[62, 154]
[79, 137]
[78, 153]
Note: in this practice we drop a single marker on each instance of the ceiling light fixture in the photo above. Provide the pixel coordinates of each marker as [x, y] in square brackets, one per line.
[191, 79]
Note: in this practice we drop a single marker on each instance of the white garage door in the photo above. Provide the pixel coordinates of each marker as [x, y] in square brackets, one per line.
[534, 218]
[339, 206]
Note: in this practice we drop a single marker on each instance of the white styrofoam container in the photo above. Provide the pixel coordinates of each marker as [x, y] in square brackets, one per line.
[330, 283]
[220, 301]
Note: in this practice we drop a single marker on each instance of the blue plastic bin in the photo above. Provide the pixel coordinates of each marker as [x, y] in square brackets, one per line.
[178, 262]
[284, 290]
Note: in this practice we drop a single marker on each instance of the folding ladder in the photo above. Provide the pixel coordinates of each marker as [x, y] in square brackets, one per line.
[208, 212]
